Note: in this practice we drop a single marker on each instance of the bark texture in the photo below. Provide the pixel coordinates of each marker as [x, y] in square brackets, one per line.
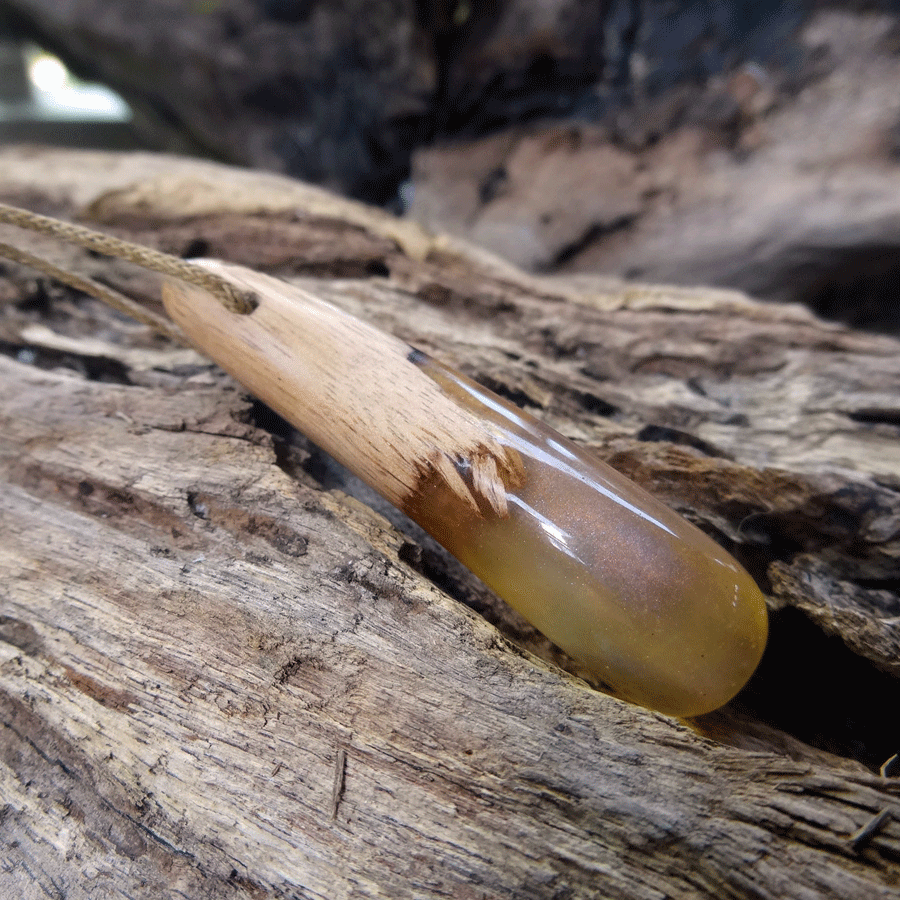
[781, 182]
[739, 144]
[222, 675]
[341, 92]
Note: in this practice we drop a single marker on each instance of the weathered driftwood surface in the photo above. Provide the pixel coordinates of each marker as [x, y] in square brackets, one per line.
[744, 145]
[222, 676]
[342, 93]
[774, 184]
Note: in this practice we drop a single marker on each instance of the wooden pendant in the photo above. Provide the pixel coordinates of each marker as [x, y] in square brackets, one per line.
[642, 598]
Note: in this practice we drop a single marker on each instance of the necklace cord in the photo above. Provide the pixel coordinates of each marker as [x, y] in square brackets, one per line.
[233, 299]
[111, 297]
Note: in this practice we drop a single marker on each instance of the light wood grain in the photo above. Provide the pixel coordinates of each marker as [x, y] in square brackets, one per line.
[346, 385]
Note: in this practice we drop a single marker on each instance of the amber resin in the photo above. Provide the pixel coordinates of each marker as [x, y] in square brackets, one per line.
[656, 609]
[644, 599]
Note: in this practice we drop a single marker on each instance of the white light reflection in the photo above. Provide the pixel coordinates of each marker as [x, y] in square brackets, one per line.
[530, 448]
[519, 439]
[59, 95]
[559, 538]
[47, 73]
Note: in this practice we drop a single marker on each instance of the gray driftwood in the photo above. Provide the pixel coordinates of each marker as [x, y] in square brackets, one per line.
[223, 676]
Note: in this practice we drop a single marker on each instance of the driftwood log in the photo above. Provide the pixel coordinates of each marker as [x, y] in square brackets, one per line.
[223, 675]
[748, 183]
[343, 93]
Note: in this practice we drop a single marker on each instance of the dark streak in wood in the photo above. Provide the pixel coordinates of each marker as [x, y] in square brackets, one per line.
[337, 790]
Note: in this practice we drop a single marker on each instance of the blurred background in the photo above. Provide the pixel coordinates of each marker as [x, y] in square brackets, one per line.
[41, 101]
[739, 144]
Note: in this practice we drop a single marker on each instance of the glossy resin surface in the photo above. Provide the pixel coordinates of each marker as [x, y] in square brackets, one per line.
[652, 605]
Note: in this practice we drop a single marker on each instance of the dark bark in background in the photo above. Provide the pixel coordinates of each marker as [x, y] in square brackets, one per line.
[752, 145]
[336, 93]
[778, 174]
[343, 92]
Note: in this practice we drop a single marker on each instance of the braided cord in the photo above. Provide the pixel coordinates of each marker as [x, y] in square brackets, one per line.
[232, 298]
[88, 286]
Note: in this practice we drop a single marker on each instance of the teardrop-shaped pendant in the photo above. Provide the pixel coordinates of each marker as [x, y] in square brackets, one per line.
[642, 598]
